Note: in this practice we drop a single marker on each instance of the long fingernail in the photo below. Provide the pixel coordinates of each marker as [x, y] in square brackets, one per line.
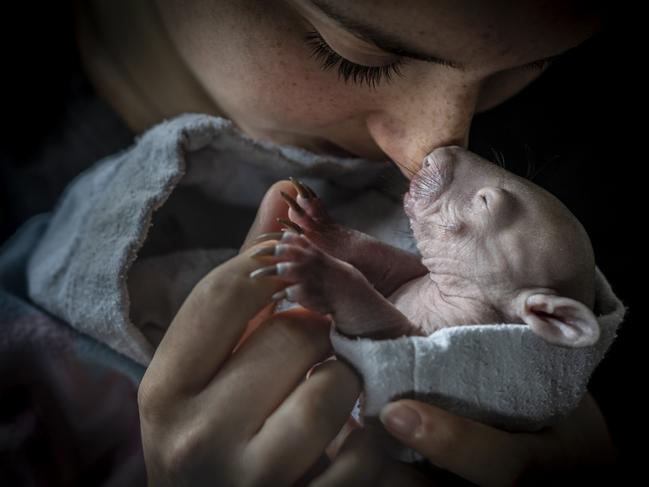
[290, 224]
[268, 236]
[264, 271]
[400, 419]
[279, 295]
[267, 250]
[303, 192]
[292, 203]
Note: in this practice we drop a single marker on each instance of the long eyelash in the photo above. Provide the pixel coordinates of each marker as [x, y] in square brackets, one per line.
[372, 75]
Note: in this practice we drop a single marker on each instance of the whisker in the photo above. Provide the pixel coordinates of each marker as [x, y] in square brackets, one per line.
[529, 159]
[500, 159]
[411, 172]
[547, 163]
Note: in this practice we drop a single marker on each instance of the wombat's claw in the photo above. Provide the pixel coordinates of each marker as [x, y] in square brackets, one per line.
[292, 203]
[303, 192]
[294, 226]
[313, 195]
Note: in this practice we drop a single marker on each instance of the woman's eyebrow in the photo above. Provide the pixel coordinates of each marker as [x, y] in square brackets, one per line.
[387, 42]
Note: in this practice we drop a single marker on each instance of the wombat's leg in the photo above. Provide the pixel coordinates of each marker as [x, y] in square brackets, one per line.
[328, 285]
[309, 213]
[385, 267]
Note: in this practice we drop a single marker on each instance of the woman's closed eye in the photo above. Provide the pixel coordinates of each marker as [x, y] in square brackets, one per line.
[358, 73]
[372, 75]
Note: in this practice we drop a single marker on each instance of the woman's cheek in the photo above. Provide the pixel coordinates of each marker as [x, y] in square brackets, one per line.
[291, 92]
[248, 58]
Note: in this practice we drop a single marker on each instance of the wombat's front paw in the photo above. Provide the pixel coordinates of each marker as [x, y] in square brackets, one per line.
[313, 278]
[308, 213]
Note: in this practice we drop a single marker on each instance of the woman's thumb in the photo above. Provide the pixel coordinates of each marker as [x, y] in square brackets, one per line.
[475, 451]
[272, 207]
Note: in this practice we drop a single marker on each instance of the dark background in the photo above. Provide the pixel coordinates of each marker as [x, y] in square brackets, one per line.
[575, 131]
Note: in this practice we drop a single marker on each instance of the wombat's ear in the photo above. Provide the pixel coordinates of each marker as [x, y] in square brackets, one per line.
[560, 320]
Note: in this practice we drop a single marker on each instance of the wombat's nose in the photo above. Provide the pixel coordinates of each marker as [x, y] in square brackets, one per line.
[446, 153]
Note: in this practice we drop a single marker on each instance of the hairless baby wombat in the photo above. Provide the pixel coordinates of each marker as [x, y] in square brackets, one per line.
[495, 248]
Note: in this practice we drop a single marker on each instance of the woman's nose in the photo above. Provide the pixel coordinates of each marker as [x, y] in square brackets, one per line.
[413, 125]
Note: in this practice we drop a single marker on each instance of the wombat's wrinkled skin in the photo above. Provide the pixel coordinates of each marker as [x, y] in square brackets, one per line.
[495, 249]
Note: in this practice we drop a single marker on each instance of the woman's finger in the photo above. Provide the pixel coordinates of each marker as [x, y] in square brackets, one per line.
[472, 450]
[272, 206]
[264, 371]
[359, 462]
[362, 460]
[295, 435]
[207, 327]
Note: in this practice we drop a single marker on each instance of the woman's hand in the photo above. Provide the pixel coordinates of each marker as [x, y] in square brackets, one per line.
[577, 448]
[213, 417]
[362, 461]
[576, 451]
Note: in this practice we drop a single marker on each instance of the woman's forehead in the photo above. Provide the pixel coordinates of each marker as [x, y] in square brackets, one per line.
[468, 32]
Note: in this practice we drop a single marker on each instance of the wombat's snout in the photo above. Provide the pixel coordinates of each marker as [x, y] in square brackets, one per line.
[435, 175]
[442, 159]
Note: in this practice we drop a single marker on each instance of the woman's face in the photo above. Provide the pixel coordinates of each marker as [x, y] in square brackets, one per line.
[262, 61]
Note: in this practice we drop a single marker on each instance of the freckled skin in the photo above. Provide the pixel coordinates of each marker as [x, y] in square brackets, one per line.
[485, 236]
[247, 61]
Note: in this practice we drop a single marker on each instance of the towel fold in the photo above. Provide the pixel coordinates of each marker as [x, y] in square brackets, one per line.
[131, 234]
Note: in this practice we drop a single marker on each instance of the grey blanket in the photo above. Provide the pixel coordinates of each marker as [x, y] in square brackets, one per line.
[132, 235]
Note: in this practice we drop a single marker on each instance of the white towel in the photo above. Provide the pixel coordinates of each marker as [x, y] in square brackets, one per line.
[131, 234]
[500, 374]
